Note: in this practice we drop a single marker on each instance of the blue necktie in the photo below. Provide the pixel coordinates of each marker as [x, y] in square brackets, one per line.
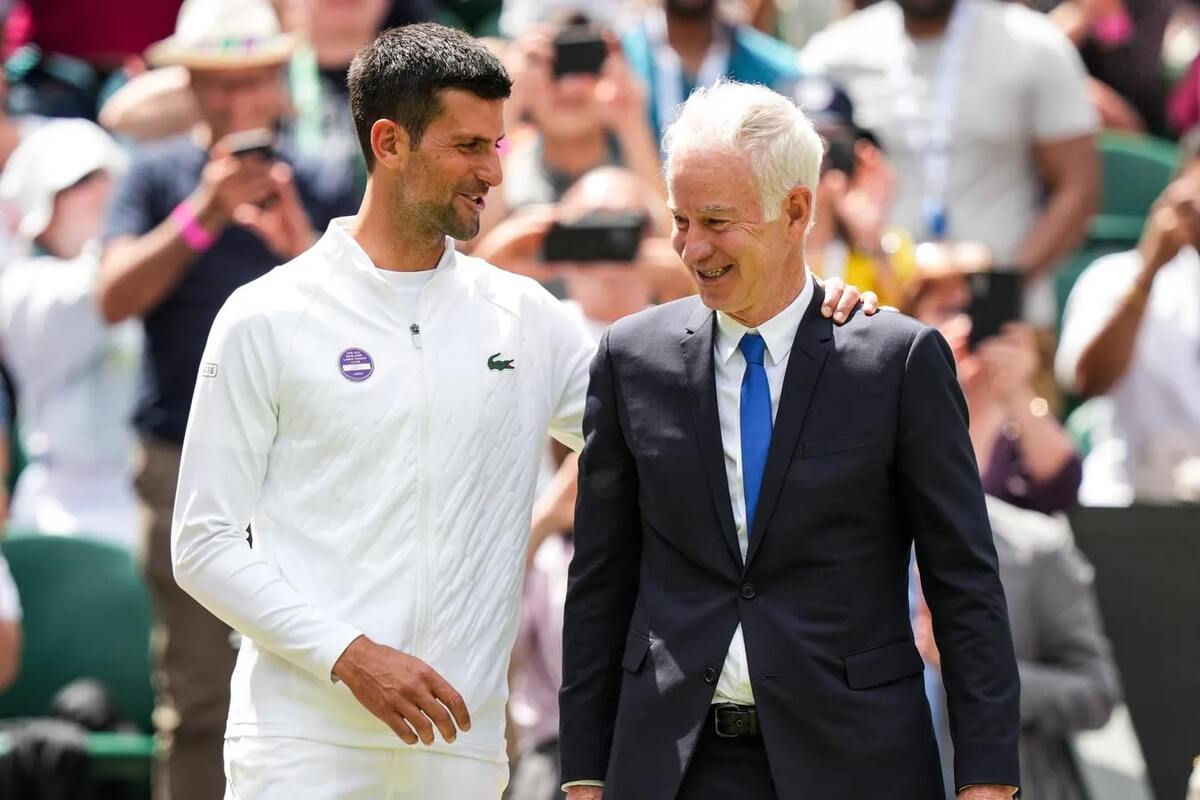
[756, 421]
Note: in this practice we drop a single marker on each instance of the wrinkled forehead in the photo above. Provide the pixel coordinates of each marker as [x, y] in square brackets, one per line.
[701, 180]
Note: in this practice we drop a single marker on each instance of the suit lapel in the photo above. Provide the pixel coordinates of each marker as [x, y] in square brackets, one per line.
[697, 345]
[809, 351]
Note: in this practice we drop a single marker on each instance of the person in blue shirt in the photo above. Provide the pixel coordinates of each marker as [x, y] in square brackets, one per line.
[681, 45]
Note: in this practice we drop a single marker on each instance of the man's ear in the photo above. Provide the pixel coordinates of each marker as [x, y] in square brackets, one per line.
[798, 210]
[390, 144]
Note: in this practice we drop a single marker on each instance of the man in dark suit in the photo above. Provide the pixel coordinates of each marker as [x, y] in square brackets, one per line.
[752, 483]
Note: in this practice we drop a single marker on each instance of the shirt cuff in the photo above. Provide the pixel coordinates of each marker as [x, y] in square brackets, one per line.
[566, 786]
[1012, 789]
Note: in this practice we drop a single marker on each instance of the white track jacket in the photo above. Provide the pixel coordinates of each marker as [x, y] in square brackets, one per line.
[386, 469]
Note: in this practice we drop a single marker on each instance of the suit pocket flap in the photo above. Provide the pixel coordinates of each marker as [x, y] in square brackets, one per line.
[636, 647]
[882, 665]
[836, 444]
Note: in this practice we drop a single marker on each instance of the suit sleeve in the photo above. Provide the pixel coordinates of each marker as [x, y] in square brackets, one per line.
[1072, 685]
[943, 501]
[603, 581]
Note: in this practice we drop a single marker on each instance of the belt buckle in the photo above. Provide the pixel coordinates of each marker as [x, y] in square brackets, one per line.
[717, 720]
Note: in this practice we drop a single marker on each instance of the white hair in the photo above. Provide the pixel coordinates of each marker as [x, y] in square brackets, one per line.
[784, 148]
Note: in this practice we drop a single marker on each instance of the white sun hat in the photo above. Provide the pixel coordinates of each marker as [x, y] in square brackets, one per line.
[224, 34]
[54, 157]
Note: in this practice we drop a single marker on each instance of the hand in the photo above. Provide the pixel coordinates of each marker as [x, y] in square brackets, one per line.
[585, 793]
[841, 298]
[529, 61]
[987, 792]
[620, 96]
[516, 242]
[230, 181]
[1173, 223]
[403, 691]
[283, 224]
[1011, 359]
[973, 374]
[863, 203]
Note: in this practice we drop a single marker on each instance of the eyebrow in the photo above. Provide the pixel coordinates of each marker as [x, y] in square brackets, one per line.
[715, 210]
[477, 140]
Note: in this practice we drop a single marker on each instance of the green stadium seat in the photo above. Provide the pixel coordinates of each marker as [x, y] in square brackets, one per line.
[1136, 170]
[86, 615]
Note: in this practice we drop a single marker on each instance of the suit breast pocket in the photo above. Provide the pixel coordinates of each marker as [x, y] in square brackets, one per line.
[636, 647]
[829, 445]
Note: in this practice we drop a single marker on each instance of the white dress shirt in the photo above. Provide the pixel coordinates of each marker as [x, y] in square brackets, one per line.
[779, 332]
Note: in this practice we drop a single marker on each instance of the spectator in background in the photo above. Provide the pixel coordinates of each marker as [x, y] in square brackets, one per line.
[13, 129]
[535, 673]
[579, 121]
[603, 293]
[1024, 455]
[10, 627]
[191, 222]
[851, 237]
[1122, 46]
[982, 108]
[75, 376]
[679, 45]
[160, 103]
[1131, 334]
[75, 51]
[333, 31]
[1069, 681]
[518, 17]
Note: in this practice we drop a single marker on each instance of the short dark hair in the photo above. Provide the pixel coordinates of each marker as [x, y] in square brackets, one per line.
[399, 77]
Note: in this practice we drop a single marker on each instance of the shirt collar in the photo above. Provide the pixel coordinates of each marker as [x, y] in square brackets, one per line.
[779, 332]
[341, 246]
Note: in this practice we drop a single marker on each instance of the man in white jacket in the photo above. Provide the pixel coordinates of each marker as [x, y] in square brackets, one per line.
[375, 412]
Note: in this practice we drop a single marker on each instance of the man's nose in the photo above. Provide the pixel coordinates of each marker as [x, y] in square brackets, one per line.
[696, 248]
[492, 173]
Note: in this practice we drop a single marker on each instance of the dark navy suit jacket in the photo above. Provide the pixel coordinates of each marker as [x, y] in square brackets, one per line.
[869, 454]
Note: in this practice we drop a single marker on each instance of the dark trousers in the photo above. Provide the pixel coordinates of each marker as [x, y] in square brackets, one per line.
[193, 655]
[727, 769]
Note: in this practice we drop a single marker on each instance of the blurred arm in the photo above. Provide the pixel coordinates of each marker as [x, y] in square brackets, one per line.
[1070, 169]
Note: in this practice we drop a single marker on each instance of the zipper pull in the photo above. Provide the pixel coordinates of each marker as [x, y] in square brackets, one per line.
[415, 330]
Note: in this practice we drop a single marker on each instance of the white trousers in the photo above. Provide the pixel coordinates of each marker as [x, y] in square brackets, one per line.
[264, 768]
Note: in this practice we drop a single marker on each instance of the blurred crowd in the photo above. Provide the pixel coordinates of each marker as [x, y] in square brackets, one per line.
[158, 154]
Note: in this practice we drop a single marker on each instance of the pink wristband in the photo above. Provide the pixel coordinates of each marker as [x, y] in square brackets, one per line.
[1113, 29]
[194, 235]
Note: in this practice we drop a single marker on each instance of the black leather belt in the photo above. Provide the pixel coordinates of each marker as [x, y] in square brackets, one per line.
[730, 721]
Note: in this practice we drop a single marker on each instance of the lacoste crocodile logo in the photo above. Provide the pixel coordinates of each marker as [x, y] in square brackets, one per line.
[496, 363]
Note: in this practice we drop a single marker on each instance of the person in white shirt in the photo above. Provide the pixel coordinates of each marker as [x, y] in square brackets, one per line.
[375, 412]
[983, 109]
[1131, 335]
[75, 375]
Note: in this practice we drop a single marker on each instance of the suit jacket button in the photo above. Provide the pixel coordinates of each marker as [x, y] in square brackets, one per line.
[710, 675]
[748, 591]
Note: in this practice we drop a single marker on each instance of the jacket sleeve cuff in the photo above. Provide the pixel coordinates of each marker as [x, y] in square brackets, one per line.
[332, 648]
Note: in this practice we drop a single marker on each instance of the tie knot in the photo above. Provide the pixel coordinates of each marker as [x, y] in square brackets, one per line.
[753, 347]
